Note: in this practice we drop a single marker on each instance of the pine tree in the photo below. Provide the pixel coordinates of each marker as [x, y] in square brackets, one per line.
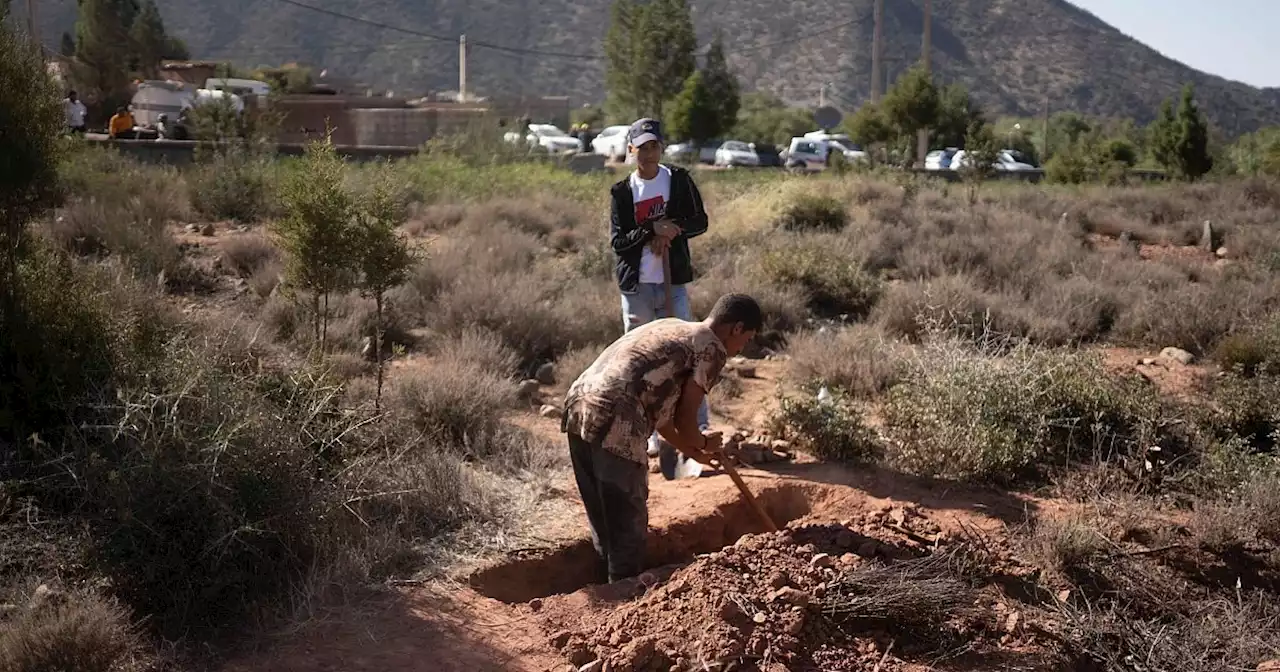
[103, 51]
[722, 87]
[649, 53]
[1180, 140]
[150, 41]
[912, 103]
[622, 102]
[694, 114]
[1194, 160]
[383, 260]
[956, 111]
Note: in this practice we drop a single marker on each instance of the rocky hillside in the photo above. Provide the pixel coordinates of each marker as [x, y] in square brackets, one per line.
[1014, 54]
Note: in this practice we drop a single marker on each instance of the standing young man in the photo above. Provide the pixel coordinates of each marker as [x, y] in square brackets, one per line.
[655, 210]
[653, 378]
[74, 112]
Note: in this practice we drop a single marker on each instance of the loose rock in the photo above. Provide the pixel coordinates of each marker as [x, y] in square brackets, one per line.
[1222, 253]
[822, 560]
[747, 372]
[549, 411]
[1206, 236]
[528, 389]
[1178, 355]
[208, 230]
[593, 666]
[536, 604]
[790, 596]
[546, 374]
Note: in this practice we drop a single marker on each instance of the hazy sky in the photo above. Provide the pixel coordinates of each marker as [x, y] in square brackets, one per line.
[1236, 39]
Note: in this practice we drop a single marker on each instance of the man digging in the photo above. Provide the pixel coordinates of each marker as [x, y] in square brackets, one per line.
[654, 212]
[653, 378]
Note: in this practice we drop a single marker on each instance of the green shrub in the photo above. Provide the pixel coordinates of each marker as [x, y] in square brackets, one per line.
[811, 212]
[966, 414]
[829, 430]
[1253, 351]
[233, 184]
[1248, 408]
[833, 286]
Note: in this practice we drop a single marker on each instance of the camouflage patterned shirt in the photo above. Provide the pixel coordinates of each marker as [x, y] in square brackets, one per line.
[633, 387]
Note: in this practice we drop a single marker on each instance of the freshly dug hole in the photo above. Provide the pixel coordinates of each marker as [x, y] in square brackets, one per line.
[569, 568]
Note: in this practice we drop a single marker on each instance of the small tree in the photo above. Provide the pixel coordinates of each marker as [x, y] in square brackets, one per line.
[912, 103]
[870, 128]
[30, 123]
[1180, 141]
[956, 111]
[317, 233]
[764, 118]
[722, 87]
[384, 259]
[980, 154]
[693, 114]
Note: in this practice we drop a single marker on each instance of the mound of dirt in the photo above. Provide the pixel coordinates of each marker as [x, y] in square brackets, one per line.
[776, 602]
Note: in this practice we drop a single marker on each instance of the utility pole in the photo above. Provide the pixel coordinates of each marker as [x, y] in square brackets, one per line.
[33, 21]
[462, 69]
[1044, 144]
[922, 140]
[877, 49]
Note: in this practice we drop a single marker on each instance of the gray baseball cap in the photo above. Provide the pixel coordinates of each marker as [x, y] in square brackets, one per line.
[644, 130]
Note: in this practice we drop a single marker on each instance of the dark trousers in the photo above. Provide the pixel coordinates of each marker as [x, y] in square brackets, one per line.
[615, 492]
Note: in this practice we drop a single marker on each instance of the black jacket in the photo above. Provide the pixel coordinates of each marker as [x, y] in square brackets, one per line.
[629, 237]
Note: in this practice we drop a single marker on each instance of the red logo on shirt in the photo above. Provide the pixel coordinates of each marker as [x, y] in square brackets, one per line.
[650, 209]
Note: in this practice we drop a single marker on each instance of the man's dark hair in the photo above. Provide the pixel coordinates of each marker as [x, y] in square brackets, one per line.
[738, 309]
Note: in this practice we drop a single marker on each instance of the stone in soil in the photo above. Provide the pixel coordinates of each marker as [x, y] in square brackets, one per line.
[546, 374]
[549, 411]
[1178, 355]
[528, 389]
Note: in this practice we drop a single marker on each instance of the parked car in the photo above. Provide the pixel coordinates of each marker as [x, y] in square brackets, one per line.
[611, 143]
[812, 153]
[735, 153]
[685, 151]
[940, 159]
[1006, 161]
[549, 137]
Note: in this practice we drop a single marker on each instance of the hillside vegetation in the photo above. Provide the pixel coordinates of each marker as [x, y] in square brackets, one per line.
[1012, 55]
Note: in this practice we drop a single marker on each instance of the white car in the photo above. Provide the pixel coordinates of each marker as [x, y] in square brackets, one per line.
[548, 137]
[685, 150]
[734, 153]
[940, 159]
[810, 153]
[1006, 161]
[611, 143]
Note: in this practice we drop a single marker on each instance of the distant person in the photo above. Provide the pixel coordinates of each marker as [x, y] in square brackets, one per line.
[654, 378]
[121, 125]
[74, 112]
[654, 212]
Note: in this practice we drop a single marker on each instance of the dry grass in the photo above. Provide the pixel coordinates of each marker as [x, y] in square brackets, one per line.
[1061, 544]
[67, 633]
[249, 254]
[454, 404]
[858, 360]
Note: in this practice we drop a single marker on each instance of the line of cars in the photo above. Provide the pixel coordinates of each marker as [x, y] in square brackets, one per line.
[812, 151]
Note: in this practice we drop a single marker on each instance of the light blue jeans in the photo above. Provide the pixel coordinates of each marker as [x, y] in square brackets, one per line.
[647, 304]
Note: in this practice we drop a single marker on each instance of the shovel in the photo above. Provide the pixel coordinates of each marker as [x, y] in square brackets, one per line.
[687, 468]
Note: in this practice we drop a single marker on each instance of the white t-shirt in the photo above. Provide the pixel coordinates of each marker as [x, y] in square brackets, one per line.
[651, 198]
[74, 111]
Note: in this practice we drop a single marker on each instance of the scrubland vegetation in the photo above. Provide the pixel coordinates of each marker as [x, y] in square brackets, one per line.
[192, 448]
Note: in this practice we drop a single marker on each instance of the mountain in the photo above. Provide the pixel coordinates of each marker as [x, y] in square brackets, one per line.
[1015, 55]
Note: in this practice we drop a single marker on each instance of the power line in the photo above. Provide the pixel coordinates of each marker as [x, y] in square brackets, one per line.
[440, 38]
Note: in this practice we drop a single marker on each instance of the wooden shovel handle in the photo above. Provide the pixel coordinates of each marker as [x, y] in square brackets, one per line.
[747, 496]
[666, 282]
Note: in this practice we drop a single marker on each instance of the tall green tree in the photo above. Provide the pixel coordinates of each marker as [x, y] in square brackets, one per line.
[649, 53]
[869, 126]
[103, 51]
[623, 99]
[383, 259]
[693, 114]
[1180, 140]
[911, 104]
[956, 111]
[151, 43]
[722, 86]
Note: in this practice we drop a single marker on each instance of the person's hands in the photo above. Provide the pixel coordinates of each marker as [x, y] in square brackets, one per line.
[709, 453]
[665, 228]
